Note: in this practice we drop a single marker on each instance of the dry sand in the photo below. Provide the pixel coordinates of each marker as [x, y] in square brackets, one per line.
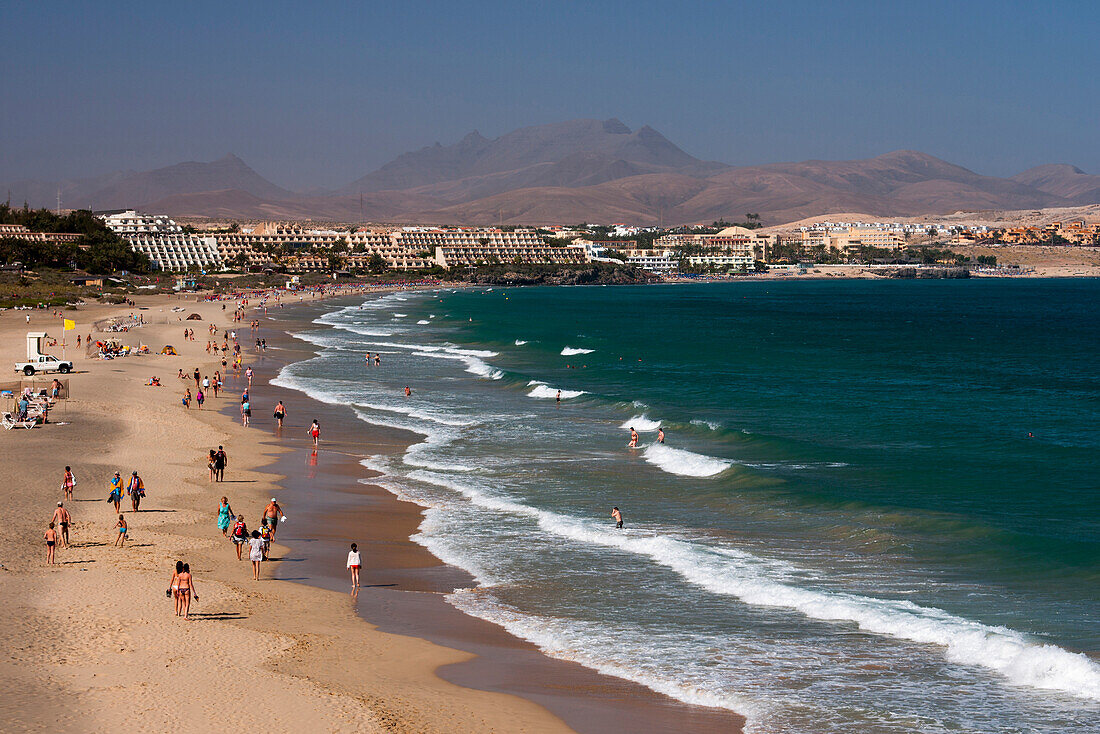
[93, 645]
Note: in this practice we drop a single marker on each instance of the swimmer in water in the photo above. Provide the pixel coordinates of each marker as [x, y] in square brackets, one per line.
[408, 392]
[633, 438]
[368, 359]
[660, 435]
[618, 518]
[558, 398]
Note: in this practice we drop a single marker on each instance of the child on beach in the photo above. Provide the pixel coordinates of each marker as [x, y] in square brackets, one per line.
[50, 537]
[255, 553]
[265, 536]
[355, 562]
[120, 541]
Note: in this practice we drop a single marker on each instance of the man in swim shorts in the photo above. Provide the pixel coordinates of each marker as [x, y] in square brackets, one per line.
[271, 516]
[618, 516]
[62, 518]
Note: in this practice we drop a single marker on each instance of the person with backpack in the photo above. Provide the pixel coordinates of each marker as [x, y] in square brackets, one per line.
[136, 488]
[239, 535]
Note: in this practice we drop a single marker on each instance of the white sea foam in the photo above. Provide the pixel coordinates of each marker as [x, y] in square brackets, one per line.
[709, 424]
[400, 315]
[684, 463]
[425, 415]
[641, 423]
[545, 391]
[520, 342]
[570, 351]
[738, 574]
[581, 642]
[421, 322]
[474, 365]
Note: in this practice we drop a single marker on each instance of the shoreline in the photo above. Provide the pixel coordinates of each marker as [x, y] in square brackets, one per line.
[405, 585]
[89, 646]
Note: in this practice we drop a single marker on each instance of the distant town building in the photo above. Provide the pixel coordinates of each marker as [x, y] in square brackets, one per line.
[164, 241]
[19, 232]
[662, 262]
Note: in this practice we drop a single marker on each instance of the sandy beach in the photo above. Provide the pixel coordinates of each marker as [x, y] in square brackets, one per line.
[92, 643]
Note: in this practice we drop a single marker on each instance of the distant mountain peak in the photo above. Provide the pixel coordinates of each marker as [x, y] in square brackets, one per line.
[615, 126]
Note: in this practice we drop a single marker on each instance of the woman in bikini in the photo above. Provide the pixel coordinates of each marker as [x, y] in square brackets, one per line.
[174, 587]
[68, 483]
[186, 589]
[315, 431]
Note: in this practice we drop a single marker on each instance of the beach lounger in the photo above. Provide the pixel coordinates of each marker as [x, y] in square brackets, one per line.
[10, 422]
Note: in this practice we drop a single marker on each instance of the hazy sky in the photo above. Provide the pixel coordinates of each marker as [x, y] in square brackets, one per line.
[317, 94]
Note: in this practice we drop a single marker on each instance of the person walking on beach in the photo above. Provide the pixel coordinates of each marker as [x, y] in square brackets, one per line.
[272, 513]
[210, 461]
[50, 536]
[240, 534]
[198, 375]
[315, 432]
[68, 483]
[186, 589]
[62, 518]
[187, 398]
[246, 412]
[280, 413]
[120, 541]
[255, 553]
[660, 435]
[248, 373]
[174, 586]
[136, 488]
[116, 491]
[355, 562]
[221, 460]
[225, 516]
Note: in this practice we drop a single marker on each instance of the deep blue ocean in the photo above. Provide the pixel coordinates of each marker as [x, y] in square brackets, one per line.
[877, 507]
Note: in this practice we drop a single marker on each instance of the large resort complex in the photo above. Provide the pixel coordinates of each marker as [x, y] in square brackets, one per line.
[733, 249]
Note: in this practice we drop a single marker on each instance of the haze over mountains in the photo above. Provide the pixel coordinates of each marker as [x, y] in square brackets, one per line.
[581, 170]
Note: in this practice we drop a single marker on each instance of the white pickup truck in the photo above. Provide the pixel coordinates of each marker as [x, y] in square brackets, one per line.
[44, 363]
[38, 362]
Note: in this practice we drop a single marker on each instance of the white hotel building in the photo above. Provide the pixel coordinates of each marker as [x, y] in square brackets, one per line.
[164, 241]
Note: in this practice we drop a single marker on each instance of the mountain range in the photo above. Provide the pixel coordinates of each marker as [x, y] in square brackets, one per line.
[568, 172]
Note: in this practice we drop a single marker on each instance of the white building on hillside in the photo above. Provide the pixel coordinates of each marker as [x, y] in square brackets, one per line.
[164, 241]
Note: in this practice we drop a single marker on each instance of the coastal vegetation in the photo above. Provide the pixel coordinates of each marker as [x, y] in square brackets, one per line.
[99, 250]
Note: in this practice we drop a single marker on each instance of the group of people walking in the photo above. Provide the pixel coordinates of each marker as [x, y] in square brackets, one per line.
[57, 533]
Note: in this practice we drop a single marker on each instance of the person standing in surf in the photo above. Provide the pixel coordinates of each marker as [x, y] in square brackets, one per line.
[633, 439]
[618, 516]
[660, 435]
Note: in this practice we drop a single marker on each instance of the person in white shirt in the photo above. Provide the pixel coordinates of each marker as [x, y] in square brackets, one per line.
[355, 562]
[255, 553]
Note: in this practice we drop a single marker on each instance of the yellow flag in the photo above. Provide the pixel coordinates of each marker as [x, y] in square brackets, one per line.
[69, 324]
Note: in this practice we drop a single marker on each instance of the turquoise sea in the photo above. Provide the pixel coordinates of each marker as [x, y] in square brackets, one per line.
[876, 508]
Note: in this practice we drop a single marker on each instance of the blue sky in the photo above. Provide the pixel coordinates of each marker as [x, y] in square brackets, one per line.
[317, 94]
